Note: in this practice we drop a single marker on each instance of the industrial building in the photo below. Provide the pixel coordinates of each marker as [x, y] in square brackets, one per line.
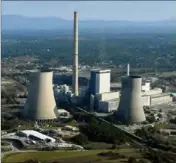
[108, 96]
[146, 101]
[152, 97]
[101, 99]
[100, 81]
[146, 86]
[108, 102]
[159, 99]
[130, 106]
[34, 135]
[63, 113]
[108, 105]
[40, 104]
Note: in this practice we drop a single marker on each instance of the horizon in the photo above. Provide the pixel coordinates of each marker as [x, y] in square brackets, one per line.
[57, 17]
[139, 11]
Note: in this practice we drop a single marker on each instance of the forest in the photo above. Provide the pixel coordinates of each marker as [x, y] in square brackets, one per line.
[141, 50]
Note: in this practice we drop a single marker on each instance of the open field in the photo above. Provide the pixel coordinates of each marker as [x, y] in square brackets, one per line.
[70, 156]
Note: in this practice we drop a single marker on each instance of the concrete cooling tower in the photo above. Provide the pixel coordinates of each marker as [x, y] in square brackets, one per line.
[130, 107]
[40, 103]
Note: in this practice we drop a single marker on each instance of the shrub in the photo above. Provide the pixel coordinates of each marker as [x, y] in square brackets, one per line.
[132, 160]
[80, 139]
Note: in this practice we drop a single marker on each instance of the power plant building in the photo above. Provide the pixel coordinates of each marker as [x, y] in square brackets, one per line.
[100, 81]
[130, 106]
[152, 97]
[152, 92]
[40, 104]
[146, 87]
[108, 105]
[161, 99]
[108, 96]
[104, 100]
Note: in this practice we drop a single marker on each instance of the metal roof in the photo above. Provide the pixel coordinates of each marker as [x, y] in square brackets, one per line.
[37, 134]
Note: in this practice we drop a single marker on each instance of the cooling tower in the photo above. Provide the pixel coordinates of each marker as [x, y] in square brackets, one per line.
[40, 103]
[130, 107]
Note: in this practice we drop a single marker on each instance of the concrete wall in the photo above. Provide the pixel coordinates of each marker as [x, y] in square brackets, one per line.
[108, 106]
[161, 100]
[103, 82]
[153, 91]
[40, 103]
[146, 100]
[100, 81]
[108, 96]
[146, 87]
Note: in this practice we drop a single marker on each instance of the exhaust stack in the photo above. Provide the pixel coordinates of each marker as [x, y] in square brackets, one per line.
[75, 56]
[128, 69]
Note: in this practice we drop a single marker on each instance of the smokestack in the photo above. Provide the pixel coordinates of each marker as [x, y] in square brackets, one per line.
[128, 69]
[75, 57]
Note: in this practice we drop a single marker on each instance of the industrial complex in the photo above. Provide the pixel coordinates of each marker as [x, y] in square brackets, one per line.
[132, 105]
[128, 102]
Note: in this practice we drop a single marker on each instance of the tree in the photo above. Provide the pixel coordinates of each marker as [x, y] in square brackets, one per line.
[80, 139]
[31, 161]
[132, 160]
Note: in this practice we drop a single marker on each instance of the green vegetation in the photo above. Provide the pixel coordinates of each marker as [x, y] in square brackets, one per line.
[68, 157]
[173, 121]
[5, 143]
[145, 132]
[159, 156]
[80, 139]
[140, 50]
[101, 132]
[6, 149]
[98, 145]
[98, 131]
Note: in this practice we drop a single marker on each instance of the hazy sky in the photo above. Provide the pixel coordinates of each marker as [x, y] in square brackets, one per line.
[113, 10]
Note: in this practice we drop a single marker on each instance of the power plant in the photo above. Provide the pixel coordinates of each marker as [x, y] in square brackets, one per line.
[100, 81]
[130, 106]
[40, 104]
[75, 57]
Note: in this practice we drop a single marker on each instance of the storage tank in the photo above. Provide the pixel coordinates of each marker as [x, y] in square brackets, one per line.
[130, 107]
[40, 103]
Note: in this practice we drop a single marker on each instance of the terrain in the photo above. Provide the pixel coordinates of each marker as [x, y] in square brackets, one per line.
[150, 52]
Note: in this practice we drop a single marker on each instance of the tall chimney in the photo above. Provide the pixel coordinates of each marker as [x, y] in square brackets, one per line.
[128, 69]
[75, 57]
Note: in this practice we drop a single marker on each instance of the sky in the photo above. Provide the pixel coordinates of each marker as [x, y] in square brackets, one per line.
[94, 10]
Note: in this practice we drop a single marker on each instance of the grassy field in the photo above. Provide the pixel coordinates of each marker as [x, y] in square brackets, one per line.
[70, 156]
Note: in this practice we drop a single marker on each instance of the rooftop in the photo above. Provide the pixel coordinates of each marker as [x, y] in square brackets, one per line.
[62, 111]
[111, 100]
[160, 95]
[37, 134]
[101, 70]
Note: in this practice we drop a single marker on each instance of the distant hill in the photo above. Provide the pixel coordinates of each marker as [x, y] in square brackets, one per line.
[16, 22]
